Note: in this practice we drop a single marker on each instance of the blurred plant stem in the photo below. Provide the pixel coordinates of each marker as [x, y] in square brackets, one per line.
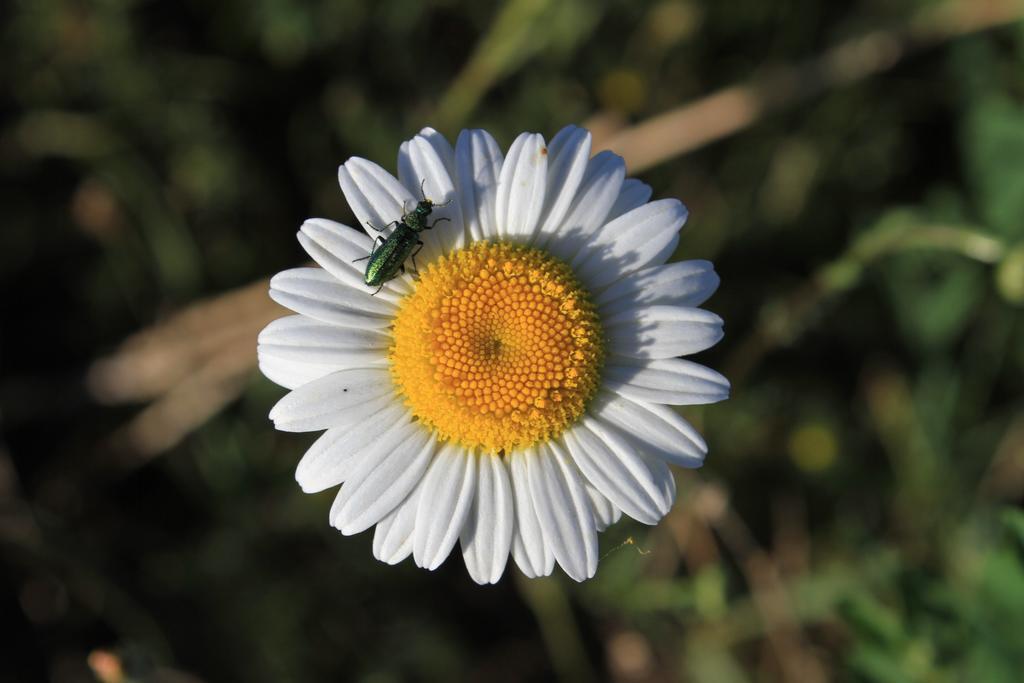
[919, 468]
[769, 595]
[783, 320]
[521, 29]
[507, 43]
[558, 627]
[190, 366]
[740, 106]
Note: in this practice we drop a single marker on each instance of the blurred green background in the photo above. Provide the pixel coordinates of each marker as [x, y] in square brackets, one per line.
[859, 516]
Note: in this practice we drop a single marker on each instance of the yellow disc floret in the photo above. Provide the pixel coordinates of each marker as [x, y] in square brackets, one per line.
[498, 347]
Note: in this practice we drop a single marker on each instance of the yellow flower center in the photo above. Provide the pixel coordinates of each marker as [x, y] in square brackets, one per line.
[498, 347]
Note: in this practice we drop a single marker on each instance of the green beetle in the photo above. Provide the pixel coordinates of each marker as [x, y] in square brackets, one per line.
[389, 254]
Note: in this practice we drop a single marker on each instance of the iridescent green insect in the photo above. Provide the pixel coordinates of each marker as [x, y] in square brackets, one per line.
[389, 254]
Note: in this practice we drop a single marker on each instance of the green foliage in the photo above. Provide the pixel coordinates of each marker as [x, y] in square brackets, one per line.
[933, 295]
[993, 146]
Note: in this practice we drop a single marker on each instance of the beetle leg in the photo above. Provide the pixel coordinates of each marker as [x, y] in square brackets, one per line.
[413, 256]
[378, 290]
[373, 250]
[431, 226]
[374, 227]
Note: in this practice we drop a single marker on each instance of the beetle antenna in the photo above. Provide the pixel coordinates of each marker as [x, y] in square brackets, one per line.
[424, 195]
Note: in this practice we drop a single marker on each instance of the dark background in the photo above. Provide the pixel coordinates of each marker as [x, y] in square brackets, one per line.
[859, 514]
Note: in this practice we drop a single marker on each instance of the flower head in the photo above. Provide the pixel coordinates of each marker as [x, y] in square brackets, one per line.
[507, 388]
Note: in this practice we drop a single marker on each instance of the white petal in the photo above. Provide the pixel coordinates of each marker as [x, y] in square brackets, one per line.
[448, 489]
[392, 537]
[478, 163]
[313, 292]
[521, 188]
[421, 169]
[645, 236]
[291, 374]
[441, 146]
[596, 195]
[381, 480]
[667, 481]
[634, 194]
[657, 430]
[530, 552]
[672, 381]
[683, 283]
[329, 460]
[374, 195]
[568, 155]
[618, 471]
[304, 340]
[563, 510]
[296, 350]
[391, 442]
[605, 514]
[342, 252]
[662, 331]
[341, 398]
[486, 536]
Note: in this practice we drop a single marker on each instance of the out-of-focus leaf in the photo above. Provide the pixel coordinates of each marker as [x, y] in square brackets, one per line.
[993, 143]
[1013, 520]
[873, 621]
[933, 296]
[997, 650]
[877, 665]
[1010, 276]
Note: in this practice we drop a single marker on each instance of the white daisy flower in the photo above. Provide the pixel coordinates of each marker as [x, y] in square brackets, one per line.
[511, 397]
